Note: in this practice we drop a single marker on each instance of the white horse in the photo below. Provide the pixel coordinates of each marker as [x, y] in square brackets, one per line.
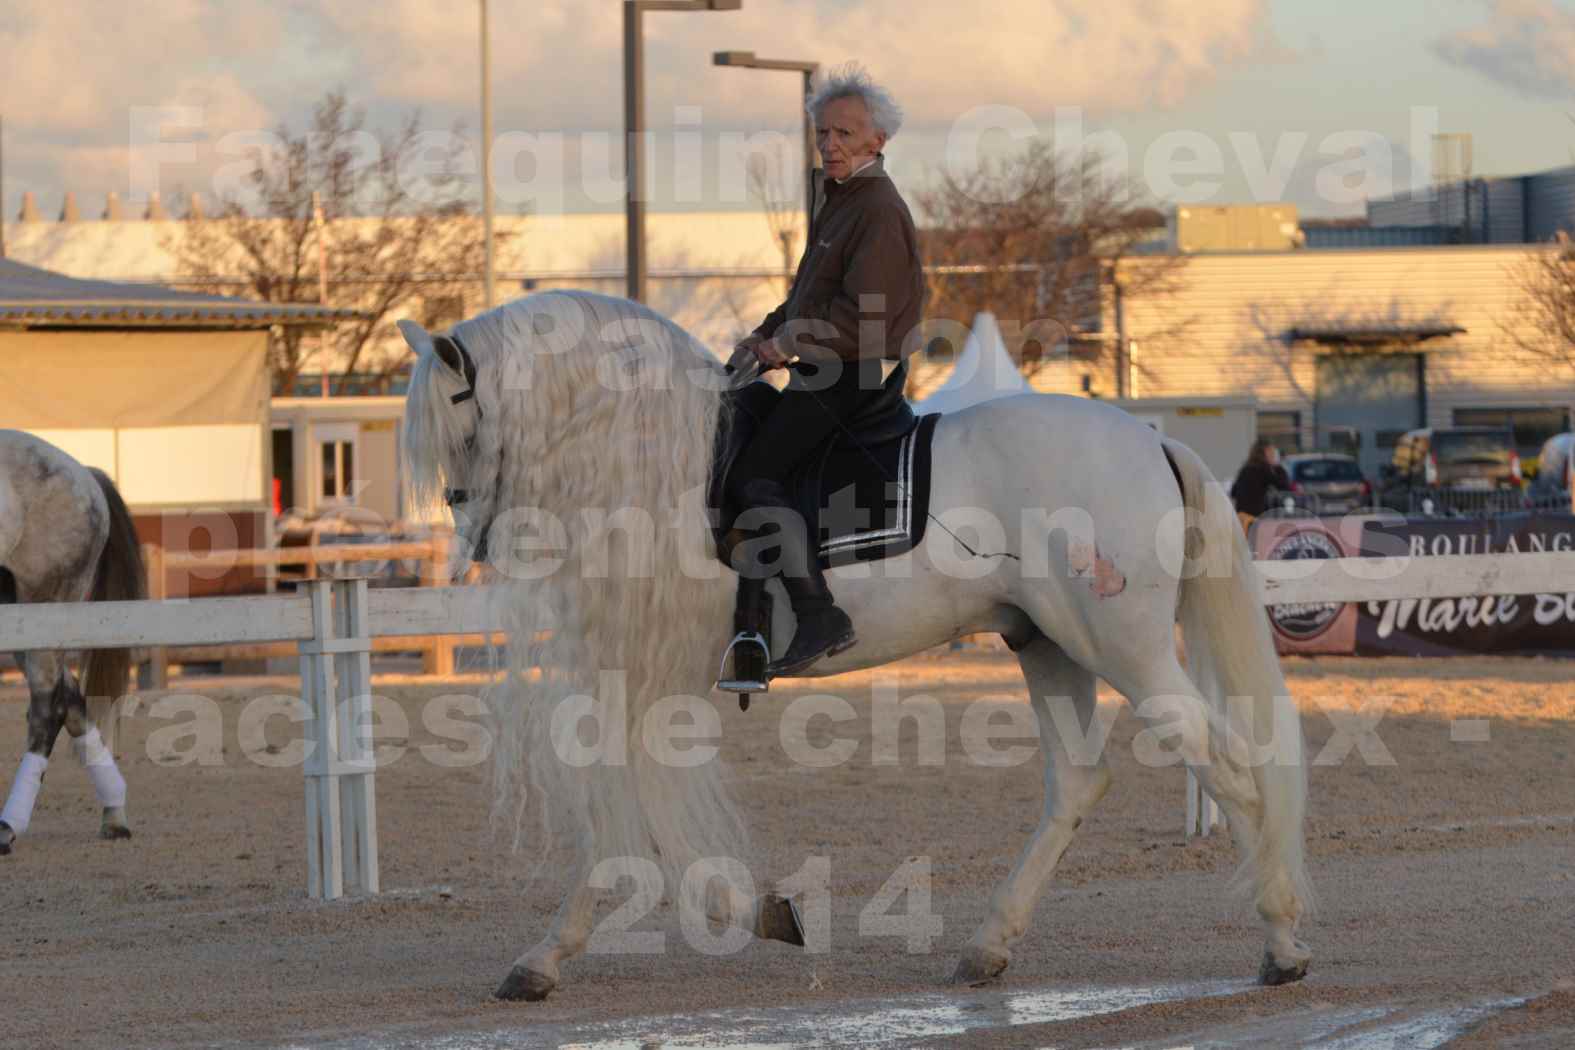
[65, 536]
[574, 415]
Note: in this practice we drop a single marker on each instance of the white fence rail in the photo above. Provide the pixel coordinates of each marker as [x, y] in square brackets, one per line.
[1309, 580]
[217, 621]
[1313, 581]
[334, 623]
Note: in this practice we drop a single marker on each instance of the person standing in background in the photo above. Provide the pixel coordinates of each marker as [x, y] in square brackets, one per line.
[1261, 474]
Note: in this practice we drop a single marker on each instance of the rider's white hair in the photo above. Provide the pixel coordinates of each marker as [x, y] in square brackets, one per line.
[853, 81]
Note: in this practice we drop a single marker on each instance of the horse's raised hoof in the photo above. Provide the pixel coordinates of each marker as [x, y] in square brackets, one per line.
[114, 831]
[527, 986]
[778, 920]
[7, 836]
[978, 966]
[1271, 973]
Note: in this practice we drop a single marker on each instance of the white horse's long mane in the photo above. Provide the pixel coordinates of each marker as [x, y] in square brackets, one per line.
[598, 414]
[432, 435]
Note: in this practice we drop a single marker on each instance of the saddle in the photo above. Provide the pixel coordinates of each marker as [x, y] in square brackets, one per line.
[864, 494]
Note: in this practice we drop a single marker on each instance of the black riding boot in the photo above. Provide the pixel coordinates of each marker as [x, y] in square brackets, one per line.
[823, 629]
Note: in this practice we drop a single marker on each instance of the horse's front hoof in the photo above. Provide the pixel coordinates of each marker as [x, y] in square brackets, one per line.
[778, 920]
[114, 831]
[978, 966]
[7, 836]
[522, 985]
[1272, 973]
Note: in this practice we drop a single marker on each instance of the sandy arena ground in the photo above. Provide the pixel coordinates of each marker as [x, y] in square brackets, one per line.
[1446, 887]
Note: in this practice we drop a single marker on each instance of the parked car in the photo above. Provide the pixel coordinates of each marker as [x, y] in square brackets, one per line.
[1442, 463]
[1332, 482]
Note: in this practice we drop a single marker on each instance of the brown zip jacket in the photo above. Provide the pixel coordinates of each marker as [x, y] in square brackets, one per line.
[859, 291]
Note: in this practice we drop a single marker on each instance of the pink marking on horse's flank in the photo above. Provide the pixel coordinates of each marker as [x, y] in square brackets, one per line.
[1086, 563]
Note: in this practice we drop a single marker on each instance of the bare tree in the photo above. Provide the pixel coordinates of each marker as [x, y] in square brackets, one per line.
[1542, 325]
[1036, 237]
[784, 211]
[395, 224]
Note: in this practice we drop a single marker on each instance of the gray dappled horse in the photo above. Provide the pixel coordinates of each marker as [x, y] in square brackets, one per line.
[65, 536]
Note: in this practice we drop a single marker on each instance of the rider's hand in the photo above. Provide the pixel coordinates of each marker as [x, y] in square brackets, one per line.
[744, 351]
[770, 355]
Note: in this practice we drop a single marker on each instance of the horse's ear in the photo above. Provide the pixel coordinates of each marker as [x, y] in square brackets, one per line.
[439, 346]
[418, 338]
[448, 352]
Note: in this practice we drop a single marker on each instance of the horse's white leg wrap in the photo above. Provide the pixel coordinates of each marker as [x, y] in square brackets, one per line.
[18, 812]
[107, 781]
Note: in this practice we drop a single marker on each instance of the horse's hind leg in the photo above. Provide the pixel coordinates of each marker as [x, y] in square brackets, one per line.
[1181, 720]
[108, 783]
[49, 697]
[90, 749]
[55, 704]
[1076, 777]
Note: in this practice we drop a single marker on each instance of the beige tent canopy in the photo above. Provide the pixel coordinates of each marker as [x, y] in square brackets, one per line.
[35, 298]
[167, 391]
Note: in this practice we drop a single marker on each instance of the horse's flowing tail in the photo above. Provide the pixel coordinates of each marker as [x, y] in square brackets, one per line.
[118, 578]
[1231, 656]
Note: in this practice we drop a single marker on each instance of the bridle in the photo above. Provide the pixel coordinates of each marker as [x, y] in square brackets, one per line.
[454, 497]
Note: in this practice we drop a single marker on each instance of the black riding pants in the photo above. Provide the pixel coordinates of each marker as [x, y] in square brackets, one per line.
[813, 407]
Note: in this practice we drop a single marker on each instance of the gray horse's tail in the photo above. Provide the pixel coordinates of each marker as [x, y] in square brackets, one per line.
[119, 578]
[1231, 652]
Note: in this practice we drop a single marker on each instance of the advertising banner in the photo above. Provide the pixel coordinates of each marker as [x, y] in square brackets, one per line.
[1523, 623]
[1327, 627]
[1529, 623]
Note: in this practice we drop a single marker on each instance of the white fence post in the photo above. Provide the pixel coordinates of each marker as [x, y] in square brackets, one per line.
[1202, 811]
[341, 800]
[353, 665]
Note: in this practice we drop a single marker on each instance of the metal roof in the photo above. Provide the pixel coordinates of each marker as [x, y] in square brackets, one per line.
[1369, 334]
[34, 298]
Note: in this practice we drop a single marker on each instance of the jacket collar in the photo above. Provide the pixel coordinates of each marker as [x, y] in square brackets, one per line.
[875, 169]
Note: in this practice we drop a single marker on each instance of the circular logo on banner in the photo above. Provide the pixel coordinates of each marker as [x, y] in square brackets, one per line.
[1306, 621]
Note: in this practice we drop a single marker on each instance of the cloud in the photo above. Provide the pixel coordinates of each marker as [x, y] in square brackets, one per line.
[74, 69]
[76, 75]
[1527, 45]
[941, 59]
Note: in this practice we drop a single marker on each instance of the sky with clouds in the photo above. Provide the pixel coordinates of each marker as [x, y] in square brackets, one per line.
[1315, 101]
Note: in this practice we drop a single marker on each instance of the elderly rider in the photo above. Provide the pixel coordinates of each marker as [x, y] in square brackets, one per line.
[857, 296]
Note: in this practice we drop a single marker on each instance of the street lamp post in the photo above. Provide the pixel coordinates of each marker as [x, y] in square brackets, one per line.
[486, 160]
[634, 123]
[747, 60]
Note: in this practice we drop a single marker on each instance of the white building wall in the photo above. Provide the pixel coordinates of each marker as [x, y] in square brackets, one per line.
[716, 273]
[1234, 312]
